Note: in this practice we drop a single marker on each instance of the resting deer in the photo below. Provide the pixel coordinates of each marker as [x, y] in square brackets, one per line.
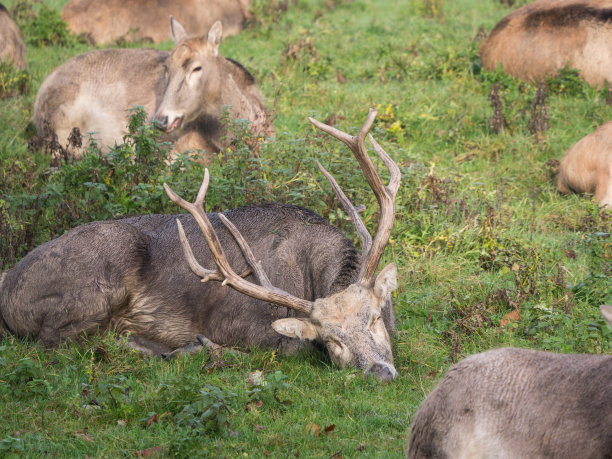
[587, 166]
[519, 403]
[186, 90]
[12, 48]
[127, 275]
[537, 40]
[145, 20]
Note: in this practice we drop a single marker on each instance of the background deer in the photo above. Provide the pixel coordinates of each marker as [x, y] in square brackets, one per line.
[145, 20]
[537, 40]
[128, 275]
[12, 48]
[587, 166]
[189, 86]
[519, 403]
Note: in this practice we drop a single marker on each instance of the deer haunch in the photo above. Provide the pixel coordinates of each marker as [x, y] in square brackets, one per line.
[519, 403]
[587, 166]
[95, 90]
[537, 40]
[12, 48]
[146, 20]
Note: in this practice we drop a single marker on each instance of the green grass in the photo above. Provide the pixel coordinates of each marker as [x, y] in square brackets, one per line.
[480, 230]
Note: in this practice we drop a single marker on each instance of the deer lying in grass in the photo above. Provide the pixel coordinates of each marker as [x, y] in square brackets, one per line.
[519, 403]
[127, 275]
[186, 90]
[145, 20]
[587, 166]
[12, 48]
[537, 40]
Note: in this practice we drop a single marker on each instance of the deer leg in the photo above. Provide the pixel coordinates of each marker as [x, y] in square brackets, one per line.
[202, 343]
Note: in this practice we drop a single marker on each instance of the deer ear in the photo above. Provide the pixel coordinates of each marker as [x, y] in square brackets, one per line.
[214, 36]
[177, 32]
[296, 328]
[606, 311]
[386, 281]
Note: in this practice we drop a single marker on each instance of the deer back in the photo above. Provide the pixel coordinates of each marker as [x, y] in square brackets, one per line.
[12, 48]
[537, 40]
[137, 20]
[518, 403]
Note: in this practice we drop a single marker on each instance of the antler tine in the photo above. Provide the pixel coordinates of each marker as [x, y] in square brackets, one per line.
[225, 271]
[385, 195]
[197, 268]
[362, 231]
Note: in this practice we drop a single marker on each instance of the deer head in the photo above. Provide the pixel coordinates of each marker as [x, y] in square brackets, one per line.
[349, 323]
[193, 78]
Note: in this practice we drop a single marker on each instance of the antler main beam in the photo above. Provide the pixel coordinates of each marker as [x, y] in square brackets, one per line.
[385, 195]
[224, 272]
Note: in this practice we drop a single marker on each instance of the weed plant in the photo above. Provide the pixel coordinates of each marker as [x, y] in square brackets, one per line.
[481, 237]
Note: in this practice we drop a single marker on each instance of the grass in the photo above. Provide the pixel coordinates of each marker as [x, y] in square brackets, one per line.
[479, 232]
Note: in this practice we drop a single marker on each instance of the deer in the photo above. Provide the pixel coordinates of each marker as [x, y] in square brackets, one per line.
[186, 90]
[12, 48]
[587, 166]
[537, 40]
[312, 287]
[114, 21]
[519, 403]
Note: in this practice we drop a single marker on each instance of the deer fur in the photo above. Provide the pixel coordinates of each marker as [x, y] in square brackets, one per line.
[587, 166]
[537, 40]
[519, 403]
[111, 21]
[12, 48]
[95, 90]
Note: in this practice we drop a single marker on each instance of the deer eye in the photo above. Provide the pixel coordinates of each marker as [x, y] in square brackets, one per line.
[197, 69]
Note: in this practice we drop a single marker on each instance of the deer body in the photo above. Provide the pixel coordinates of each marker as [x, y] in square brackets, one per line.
[537, 40]
[128, 275]
[519, 403]
[587, 166]
[146, 20]
[95, 90]
[12, 48]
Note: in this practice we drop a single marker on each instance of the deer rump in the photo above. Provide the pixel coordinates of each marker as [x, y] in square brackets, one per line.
[130, 275]
[518, 403]
[537, 40]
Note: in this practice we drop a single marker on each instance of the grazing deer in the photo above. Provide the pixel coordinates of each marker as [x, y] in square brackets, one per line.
[537, 40]
[519, 403]
[127, 275]
[12, 48]
[587, 166]
[187, 90]
[145, 20]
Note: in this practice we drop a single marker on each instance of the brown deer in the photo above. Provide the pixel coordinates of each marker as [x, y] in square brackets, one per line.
[587, 166]
[127, 275]
[519, 403]
[191, 86]
[145, 20]
[12, 48]
[537, 40]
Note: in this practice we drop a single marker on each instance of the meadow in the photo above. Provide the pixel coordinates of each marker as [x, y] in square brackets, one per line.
[489, 254]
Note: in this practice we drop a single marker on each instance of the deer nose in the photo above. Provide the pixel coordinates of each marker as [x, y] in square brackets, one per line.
[382, 371]
[163, 121]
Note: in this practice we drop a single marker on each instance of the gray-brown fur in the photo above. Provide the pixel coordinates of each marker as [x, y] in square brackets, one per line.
[146, 20]
[94, 91]
[12, 48]
[587, 166]
[537, 40]
[130, 275]
[519, 403]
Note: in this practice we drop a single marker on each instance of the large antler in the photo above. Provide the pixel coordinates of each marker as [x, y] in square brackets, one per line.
[224, 272]
[372, 251]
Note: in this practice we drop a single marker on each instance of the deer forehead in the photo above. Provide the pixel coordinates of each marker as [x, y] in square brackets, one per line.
[356, 302]
[190, 49]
